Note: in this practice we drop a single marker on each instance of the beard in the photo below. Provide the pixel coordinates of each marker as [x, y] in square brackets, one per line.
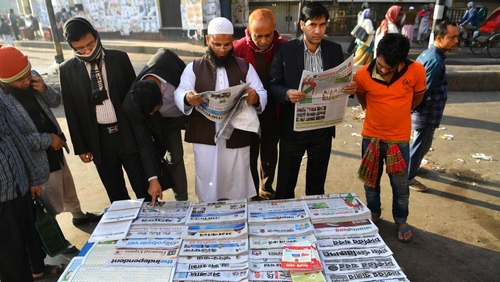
[219, 62]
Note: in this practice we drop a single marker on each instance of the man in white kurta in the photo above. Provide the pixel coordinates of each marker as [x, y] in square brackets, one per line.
[221, 172]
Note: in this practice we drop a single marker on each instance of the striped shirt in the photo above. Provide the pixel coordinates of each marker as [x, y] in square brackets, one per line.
[313, 61]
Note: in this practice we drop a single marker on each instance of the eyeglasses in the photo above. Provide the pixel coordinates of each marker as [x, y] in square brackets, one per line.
[90, 47]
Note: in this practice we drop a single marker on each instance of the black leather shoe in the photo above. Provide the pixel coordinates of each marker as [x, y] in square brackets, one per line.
[90, 217]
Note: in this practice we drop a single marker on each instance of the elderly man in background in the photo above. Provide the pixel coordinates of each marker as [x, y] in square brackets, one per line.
[222, 168]
[257, 48]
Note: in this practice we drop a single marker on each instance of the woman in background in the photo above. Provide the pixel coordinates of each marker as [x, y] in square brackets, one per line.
[423, 28]
[364, 53]
[390, 24]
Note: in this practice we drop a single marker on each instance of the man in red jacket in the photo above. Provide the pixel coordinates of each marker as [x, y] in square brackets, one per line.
[257, 48]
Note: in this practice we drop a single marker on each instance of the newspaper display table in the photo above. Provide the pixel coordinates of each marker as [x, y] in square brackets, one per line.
[235, 241]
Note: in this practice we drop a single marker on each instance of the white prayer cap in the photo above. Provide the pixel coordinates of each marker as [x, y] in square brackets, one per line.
[220, 25]
[412, 8]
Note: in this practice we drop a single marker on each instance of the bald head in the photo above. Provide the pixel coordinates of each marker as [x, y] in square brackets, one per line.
[262, 15]
[261, 24]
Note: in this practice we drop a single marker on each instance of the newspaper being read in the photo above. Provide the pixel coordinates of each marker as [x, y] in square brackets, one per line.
[325, 103]
[216, 105]
[225, 106]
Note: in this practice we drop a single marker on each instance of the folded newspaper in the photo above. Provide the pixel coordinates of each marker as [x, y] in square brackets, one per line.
[336, 207]
[228, 106]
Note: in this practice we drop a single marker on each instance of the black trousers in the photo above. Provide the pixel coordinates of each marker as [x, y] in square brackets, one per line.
[114, 157]
[16, 222]
[318, 145]
[267, 145]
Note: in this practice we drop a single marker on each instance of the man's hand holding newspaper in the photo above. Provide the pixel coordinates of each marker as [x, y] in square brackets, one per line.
[253, 97]
[192, 98]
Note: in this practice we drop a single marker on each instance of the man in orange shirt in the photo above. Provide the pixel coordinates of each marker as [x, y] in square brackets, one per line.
[389, 88]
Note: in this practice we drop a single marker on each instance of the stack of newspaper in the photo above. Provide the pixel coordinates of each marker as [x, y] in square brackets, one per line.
[147, 235]
[141, 249]
[348, 241]
[116, 222]
[336, 208]
[273, 224]
[216, 243]
[103, 262]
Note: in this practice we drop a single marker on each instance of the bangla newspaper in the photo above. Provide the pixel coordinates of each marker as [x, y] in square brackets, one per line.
[325, 103]
[227, 106]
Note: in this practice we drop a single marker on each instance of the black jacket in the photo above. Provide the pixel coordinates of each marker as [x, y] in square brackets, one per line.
[286, 71]
[149, 129]
[80, 111]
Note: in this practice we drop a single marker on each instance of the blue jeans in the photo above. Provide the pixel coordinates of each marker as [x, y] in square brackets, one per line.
[399, 184]
[422, 141]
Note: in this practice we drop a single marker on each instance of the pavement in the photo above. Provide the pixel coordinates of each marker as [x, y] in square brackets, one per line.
[455, 223]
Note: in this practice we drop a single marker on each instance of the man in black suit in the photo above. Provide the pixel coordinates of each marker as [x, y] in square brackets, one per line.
[152, 112]
[93, 86]
[308, 52]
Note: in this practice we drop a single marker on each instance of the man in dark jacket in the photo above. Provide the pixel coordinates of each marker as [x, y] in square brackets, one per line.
[152, 113]
[93, 85]
[312, 53]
